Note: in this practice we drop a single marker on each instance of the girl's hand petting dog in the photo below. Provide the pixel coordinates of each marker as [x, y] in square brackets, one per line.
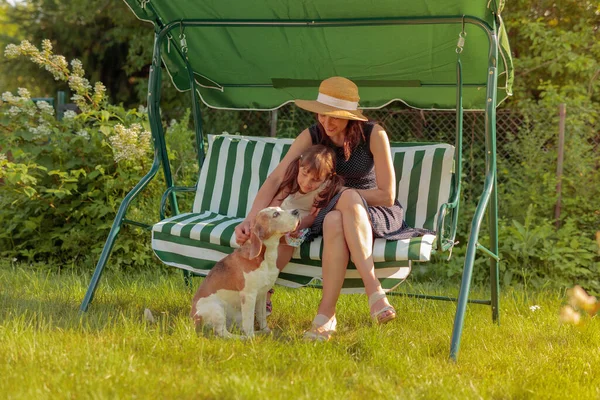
[242, 231]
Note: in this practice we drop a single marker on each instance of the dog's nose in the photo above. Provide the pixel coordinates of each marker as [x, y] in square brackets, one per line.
[295, 213]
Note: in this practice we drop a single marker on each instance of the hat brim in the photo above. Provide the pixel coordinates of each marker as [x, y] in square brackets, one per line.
[324, 109]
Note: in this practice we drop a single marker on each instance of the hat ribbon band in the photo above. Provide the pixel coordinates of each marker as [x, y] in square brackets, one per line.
[338, 103]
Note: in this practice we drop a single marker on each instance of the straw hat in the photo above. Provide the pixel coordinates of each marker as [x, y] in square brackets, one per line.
[338, 97]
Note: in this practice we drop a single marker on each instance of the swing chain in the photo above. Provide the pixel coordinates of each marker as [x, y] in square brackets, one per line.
[461, 38]
[182, 40]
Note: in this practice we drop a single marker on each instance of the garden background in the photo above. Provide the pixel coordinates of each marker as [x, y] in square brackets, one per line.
[64, 176]
[64, 169]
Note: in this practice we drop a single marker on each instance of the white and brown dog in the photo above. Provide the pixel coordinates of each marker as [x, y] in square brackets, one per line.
[237, 285]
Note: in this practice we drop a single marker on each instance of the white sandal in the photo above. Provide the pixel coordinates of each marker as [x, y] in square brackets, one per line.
[322, 328]
[377, 315]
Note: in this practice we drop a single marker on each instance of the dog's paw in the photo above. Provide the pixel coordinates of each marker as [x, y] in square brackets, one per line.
[148, 316]
[265, 331]
[246, 337]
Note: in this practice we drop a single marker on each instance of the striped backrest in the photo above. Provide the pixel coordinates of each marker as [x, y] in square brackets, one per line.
[233, 171]
[424, 176]
[236, 167]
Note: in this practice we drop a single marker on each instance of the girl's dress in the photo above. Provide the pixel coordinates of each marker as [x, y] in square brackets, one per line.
[303, 202]
[359, 173]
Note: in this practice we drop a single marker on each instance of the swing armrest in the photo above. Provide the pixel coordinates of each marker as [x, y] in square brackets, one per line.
[446, 242]
[167, 193]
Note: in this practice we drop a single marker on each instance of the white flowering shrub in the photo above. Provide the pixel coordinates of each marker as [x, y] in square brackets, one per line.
[86, 97]
[131, 143]
[62, 181]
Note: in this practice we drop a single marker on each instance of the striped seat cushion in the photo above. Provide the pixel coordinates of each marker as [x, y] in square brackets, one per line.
[195, 241]
[236, 167]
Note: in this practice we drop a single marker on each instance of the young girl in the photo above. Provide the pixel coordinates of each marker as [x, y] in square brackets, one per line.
[309, 183]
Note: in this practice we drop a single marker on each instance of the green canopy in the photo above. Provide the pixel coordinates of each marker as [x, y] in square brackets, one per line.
[244, 56]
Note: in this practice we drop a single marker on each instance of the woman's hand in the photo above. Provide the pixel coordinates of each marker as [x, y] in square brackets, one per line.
[242, 232]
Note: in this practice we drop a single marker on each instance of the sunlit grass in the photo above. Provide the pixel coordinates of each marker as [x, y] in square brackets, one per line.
[49, 350]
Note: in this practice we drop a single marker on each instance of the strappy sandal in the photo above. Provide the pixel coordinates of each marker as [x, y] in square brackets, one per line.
[322, 328]
[377, 316]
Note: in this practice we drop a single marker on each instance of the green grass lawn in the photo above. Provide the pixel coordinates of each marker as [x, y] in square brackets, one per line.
[47, 350]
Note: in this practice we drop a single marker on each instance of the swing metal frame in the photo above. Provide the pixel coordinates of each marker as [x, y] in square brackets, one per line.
[488, 200]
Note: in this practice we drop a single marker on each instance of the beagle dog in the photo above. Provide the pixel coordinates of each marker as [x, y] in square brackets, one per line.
[236, 287]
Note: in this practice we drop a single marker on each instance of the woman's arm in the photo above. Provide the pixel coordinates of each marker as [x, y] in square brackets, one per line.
[306, 222]
[270, 187]
[385, 193]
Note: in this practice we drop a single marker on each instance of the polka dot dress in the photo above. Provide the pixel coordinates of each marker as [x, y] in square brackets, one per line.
[359, 173]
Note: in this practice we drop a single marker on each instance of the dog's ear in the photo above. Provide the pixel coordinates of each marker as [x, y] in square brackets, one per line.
[261, 228]
[255, 245]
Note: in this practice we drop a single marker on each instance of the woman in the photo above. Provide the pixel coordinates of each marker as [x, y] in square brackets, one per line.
[367, 208]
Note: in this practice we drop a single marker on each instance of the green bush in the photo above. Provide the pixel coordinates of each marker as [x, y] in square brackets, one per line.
[533, 250]
[62, 181]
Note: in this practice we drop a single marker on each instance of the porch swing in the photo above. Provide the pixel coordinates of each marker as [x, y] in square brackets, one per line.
[261, 55]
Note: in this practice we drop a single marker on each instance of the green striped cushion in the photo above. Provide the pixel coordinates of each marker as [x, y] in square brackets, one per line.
[414, 249]
[234, 169]
[213, 228]
[424, 175]
[195, 241]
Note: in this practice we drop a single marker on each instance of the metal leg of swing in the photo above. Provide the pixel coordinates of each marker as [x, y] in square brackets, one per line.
[114, 230]
[89, 295]
[463, 298]
[495, 290]
[494, 270]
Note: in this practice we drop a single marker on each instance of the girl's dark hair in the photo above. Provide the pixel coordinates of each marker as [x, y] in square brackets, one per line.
[319, 160]
[354, 134]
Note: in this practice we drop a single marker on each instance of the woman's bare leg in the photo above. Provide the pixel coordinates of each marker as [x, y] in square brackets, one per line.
[358, 236]
[334, 262]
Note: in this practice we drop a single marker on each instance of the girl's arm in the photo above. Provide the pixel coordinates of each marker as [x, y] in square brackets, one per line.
[270, 187]
[385, 193]
[279, 197]
[307, 222]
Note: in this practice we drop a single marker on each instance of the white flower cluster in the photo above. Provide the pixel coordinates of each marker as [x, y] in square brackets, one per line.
[99, 92]
[11, 51]
[56, 65]
[40, 131]
[24, 94]
[20, 104]
[78, 84]
[2, 157]
[69, 114]
[45, 107]
[129, 144]
[83, 133]
[59, 67]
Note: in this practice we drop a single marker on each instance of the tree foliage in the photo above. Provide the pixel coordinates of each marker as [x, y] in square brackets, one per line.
[115, 47]
[556, 47]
